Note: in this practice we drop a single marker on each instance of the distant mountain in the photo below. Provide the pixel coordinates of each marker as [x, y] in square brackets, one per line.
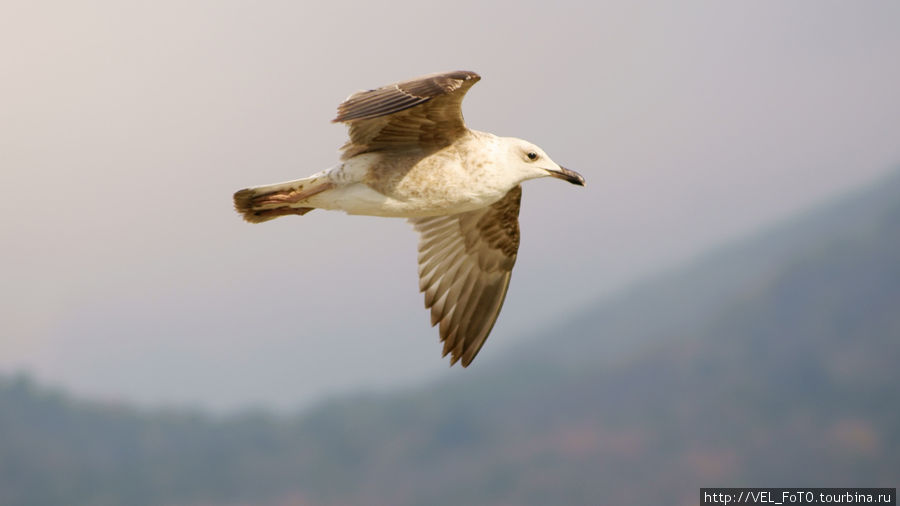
[691, 296]
[772, 362]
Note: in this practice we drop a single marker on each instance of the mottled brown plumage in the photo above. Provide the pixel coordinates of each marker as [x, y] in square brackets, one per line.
[410, 155]
[465, 263]
[422, 114]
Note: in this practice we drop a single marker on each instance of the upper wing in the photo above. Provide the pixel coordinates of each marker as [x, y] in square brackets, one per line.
[465, 262]
[420, 112]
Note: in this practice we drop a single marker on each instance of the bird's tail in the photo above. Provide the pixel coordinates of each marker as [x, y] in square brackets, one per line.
[264, 203]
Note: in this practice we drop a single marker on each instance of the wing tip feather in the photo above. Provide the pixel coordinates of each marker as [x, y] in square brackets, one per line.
[367, 104]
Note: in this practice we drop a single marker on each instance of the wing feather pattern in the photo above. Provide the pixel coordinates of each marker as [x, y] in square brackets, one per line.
[423, 113]
[465, 263]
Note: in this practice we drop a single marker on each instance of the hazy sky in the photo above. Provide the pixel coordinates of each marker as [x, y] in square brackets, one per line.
[126, 126]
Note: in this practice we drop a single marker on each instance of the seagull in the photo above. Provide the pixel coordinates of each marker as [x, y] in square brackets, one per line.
[410, 155]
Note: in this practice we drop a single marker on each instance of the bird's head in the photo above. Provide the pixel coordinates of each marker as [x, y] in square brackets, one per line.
[530, 162]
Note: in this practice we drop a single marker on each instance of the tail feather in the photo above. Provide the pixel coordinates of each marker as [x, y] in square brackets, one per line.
[264, 203]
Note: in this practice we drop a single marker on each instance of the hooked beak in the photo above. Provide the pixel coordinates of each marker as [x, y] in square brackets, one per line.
[567, 175]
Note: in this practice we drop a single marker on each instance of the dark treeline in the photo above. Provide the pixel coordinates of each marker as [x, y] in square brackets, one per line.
[770, 363]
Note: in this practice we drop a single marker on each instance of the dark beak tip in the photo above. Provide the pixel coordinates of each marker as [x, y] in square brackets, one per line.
[570, 176]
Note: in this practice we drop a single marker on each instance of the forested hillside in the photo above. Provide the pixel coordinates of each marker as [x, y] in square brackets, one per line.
[770, 363]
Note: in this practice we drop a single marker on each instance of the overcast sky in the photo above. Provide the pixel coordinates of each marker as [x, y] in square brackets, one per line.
[126, 126]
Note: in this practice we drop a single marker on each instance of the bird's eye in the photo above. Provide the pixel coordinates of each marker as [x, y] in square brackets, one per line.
[532, 155]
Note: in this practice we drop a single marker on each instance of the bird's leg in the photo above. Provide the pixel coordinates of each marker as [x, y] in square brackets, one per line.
[291, 196]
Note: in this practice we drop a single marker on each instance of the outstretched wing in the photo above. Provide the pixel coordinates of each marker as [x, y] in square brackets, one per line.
[422, 113]
[465, 262]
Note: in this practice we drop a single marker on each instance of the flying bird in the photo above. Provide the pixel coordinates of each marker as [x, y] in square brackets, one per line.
[410, 155]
